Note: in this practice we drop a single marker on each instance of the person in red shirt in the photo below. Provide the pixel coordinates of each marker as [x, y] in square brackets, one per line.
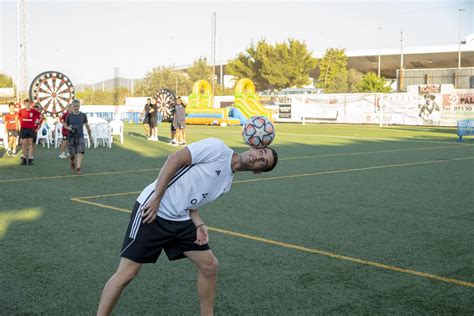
[38, 118]
[27, 117]
[11, 129]
[64, 132]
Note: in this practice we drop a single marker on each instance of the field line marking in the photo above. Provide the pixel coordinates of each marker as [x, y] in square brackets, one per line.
[352, 170]
[348, 137]
[301, 175]
[101, 205]
[310, 250]
[75, 176]
[366, 152]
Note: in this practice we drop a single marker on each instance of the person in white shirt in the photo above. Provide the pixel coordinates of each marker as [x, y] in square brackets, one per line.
[166, 217]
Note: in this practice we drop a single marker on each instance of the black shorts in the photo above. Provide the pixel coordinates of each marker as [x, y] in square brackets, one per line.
[143, 243]
[153, 122]
[12, 133]
[76, 145]
[27, 133]
[146, 120]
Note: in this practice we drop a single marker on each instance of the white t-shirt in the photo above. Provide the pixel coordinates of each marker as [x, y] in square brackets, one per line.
[209, 176]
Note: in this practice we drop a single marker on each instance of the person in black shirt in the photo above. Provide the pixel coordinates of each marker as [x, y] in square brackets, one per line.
[146, 118]
[153, 120]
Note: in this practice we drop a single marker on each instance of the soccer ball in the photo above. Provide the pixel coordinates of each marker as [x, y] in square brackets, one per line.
[258, 132]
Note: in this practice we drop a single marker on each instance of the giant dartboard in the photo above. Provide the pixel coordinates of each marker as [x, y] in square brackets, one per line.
[52, 91]
[165, 98]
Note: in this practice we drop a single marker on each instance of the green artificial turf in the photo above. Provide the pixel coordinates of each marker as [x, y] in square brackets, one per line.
[324, 233]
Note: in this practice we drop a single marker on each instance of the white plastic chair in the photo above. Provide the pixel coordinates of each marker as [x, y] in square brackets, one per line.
[3, 136]
[116, 129]
[87, 137]
[58, 135]
[40, 136]
[102, 133]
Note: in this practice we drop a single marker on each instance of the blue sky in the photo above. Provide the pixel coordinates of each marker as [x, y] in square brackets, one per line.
[87, 39]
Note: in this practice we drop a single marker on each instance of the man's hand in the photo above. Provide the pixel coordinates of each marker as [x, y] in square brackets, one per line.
[201, 235]
[149, 210]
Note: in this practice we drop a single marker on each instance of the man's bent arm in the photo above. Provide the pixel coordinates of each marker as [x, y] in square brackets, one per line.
[174, 162]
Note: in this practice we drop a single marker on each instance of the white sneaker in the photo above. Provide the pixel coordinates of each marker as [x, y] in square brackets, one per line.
[63, 156]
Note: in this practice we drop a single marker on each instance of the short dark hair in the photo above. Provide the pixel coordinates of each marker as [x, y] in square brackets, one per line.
[275, 160]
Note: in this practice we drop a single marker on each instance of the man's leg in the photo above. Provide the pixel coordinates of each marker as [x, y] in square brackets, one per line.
[30, 148]
[12, 144]
[207, 279]
[126, 271]
[24, 147]
[79, 157]
[147, 129]
[62, 149]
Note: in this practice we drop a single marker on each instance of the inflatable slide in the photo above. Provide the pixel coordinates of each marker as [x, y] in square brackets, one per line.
[200, 111]
[246, 100]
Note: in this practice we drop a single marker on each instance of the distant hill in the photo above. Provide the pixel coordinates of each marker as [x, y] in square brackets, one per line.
[108, 84]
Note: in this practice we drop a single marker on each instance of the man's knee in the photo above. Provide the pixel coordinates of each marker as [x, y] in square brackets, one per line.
[126, 272]
[124, 277]
[209, 269]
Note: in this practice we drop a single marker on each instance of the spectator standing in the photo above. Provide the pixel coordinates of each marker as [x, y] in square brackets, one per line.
[146, 118]
[154, 120]
[27, 118]
[180, 121]
[64, 132]
[74, 123]
[37, 121]
[173, 141]
[12, 126]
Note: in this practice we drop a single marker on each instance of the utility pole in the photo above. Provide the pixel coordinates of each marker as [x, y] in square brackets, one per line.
[378, 69]
[459, 38]
[22, 72]
[213, 40]
[400, 79]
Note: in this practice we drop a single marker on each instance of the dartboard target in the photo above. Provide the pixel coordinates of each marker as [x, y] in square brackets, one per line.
[52, 91]
[165, 99]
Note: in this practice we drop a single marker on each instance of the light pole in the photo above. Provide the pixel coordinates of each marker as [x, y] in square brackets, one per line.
[459, 38]
[378, 68]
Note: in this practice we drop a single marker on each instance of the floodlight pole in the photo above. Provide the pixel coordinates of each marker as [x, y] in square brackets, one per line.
[213, 55]
[400, 75]
[378, 69]
[459, 38]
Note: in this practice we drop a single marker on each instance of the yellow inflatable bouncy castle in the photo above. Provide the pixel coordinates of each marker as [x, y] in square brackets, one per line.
[200, 111]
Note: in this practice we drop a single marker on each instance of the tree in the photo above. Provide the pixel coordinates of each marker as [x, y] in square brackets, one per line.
[372, 83]
[6, 81]
[354, 78]
[200, 70]
[333, 71]
[283, 65]
[99, 97]
[162, 77]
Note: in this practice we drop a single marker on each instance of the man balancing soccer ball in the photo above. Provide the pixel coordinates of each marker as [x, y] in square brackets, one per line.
[166, 216]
